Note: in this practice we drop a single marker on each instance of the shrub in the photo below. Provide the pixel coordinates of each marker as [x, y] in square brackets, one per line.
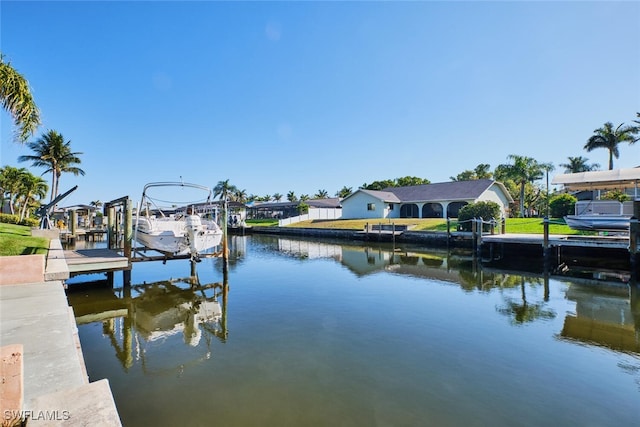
[484, 210]
[15, 219]
[561, 205]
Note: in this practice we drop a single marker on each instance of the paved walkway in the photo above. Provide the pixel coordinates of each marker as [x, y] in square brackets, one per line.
[55, 383]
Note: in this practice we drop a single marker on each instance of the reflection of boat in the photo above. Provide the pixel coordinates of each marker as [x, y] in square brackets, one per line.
[598, 222]
[178, 233]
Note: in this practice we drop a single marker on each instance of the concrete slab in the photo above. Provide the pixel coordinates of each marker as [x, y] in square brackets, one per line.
[88, 405]
[56, 268]
[37, 316]
[21, 269]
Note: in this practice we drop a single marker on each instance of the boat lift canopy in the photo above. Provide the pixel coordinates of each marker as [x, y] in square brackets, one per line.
[600, 180]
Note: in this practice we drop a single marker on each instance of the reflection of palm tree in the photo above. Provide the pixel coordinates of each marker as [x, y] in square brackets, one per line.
[523, 311]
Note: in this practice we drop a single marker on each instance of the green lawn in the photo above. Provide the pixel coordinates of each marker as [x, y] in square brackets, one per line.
[17, 240]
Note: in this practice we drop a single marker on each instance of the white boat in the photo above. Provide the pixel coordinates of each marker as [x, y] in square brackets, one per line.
[598, 222]
[600, 215]
[191, 229]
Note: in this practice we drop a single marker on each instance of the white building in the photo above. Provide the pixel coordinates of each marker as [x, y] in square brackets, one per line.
[440, 200]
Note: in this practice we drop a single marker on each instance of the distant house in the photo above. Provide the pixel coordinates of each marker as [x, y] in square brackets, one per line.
[279, 210]
[440, 200]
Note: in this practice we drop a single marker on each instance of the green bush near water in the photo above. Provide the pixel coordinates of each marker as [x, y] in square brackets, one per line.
[561, 205]
[485, 210]
[15, 219]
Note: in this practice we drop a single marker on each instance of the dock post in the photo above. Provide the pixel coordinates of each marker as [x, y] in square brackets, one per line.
[448, 230]
[634, 232]
[479, 237]
[474, 225]
[111, 227]
[73, 224]
[545, 243]
[634, 236]
[128, 228]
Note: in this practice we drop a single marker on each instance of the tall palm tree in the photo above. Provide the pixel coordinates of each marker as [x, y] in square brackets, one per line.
[224, 190]
[31, 187]
[277, 197]
[53, 153]
[523, 170]
[607, 137]
[291, 196]
[578, 164]
[17, 100]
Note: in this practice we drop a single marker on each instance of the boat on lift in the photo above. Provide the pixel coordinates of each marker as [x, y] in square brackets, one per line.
[188, 230]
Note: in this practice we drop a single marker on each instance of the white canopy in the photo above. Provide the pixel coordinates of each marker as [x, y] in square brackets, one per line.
[600, 180]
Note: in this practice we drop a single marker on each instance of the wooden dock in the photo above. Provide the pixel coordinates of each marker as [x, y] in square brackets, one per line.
[84, 261]
[560, 240]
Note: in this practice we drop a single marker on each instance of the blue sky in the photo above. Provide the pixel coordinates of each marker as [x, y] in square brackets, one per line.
[308, 96]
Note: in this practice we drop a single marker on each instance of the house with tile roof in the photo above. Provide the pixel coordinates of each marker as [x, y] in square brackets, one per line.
[439, 200]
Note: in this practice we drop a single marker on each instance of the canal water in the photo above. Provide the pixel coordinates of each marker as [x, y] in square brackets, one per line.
[321, 333]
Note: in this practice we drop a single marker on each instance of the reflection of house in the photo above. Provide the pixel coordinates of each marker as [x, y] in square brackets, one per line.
[440, 200]
[278, 210]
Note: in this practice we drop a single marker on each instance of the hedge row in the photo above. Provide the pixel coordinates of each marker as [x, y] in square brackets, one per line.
[15, 219]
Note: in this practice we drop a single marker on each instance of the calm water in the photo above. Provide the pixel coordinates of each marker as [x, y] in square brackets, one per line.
[307, 333]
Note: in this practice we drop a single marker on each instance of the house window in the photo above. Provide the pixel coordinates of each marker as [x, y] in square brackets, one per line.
[371, 206]
[390, 206]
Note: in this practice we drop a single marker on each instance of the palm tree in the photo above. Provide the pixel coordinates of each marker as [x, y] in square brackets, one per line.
[224, 190]
[240, 196]
[31, 186]
[17, 100]
[522, 171]
[321, 194]
[277, 197]
[344, 192]
[291, 196]
[607, 137]
[53, 153]
[578, 164]
[10, 182]
[304, 197]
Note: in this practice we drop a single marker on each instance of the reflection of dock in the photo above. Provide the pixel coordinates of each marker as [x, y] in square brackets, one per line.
[608, 319]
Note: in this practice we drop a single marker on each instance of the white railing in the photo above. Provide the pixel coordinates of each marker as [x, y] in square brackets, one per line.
[319, 213]
[603, 207]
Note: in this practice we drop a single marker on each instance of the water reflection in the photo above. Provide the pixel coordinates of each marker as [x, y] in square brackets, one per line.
[607, 303]
[151, 315]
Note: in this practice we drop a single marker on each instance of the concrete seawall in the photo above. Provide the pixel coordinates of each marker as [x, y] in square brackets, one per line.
[430, 238]
[38, 328]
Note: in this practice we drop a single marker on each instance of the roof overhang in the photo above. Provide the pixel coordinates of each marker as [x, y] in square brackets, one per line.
[600, 180]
